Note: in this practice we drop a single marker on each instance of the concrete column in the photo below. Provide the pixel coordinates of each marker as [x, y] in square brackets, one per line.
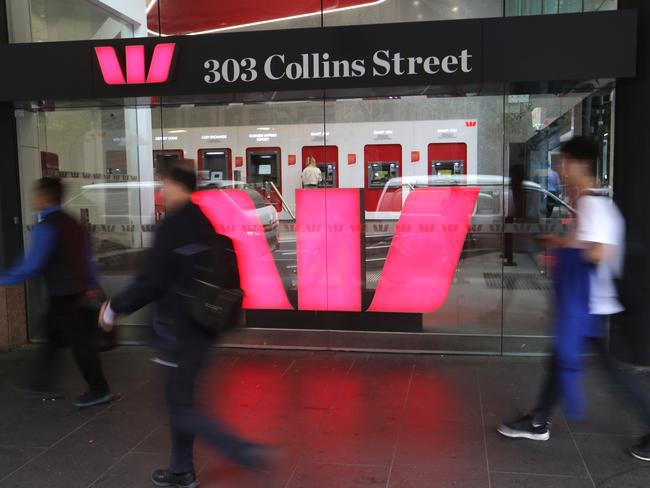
[13, 320]
[630, 335]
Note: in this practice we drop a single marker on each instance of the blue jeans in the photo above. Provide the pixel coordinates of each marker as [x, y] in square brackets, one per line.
[626, 383]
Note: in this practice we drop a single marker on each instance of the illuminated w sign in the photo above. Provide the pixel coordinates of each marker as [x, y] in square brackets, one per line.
[113, 74]
[419, 268]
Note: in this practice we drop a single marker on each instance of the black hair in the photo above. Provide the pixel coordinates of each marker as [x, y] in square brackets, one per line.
[181, 175]
[582, 148]
[51, 188]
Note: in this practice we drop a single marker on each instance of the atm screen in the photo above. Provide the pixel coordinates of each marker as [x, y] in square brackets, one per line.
[379, 173]
[445, 172]
[264, 169]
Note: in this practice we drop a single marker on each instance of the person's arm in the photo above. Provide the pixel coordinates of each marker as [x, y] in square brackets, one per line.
[595, 228]
[40, 251]
[595, 252]
[92, 269]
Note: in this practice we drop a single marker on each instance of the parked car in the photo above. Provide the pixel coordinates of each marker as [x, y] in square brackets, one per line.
[122, 226]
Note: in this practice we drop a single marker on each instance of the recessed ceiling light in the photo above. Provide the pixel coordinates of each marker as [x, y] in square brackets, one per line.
[263, 128]
[419, 16]
[416, 2]
[454, 9]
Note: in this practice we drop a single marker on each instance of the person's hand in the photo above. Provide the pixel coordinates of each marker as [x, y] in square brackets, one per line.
[94, 294]
[550, 240]
[104, 324]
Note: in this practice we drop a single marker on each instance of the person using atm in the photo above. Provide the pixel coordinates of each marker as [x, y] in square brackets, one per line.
[311, 175]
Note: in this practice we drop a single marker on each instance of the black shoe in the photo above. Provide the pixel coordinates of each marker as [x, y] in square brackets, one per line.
[255, 457]
[642, 449]
[163, 477]
[525, 428]
[92, 398]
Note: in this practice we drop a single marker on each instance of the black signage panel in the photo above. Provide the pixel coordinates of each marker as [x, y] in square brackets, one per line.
[570, 47]
[372, 55]
[462, 52]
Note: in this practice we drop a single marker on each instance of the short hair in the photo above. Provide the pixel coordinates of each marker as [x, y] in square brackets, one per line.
[51, 188]
[582, 148]
[182, 176]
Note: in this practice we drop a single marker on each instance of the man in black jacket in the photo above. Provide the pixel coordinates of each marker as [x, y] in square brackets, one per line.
[185, 344]
[62, 255]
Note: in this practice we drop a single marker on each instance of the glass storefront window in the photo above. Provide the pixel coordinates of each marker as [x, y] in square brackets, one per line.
[64, 20]
[393, 148]
[537, 7]
[429, 198]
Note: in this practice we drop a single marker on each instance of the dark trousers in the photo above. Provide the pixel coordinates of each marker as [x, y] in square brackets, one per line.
[625, 382]
[65, 326]
[186, 422]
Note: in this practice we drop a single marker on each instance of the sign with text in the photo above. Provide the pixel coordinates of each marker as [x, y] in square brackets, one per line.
[475, 54]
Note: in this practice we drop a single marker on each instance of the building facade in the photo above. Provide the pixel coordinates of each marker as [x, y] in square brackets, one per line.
[398, 101]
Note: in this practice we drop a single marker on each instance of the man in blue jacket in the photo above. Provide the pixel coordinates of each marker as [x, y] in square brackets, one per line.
[61, 254]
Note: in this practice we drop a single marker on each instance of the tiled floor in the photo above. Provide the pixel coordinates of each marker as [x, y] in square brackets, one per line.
[341, 419]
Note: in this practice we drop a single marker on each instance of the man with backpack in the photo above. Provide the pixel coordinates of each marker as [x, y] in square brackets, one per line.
[183, 341]
[588, 259]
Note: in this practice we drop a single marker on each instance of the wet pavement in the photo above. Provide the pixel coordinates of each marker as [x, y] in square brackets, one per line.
[341, 420]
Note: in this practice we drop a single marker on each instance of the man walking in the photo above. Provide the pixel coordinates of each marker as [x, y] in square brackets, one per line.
[184, 343]
[61, 253]
[587, 261]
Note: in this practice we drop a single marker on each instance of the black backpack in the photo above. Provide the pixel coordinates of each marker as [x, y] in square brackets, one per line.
[210, 292]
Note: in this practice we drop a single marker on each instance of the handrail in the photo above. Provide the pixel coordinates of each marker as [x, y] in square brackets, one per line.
[284, 203]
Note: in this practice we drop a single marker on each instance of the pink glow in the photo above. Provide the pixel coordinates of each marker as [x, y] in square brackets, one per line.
[110, 66]
[232, 212]
[161, 63]
[135, 64]
[328, 243]
[311, 249]
[425, 250]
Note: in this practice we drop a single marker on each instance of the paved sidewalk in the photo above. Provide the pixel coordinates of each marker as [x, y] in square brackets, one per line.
[343, 419]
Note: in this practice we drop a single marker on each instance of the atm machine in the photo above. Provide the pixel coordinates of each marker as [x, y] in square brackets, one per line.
[327, 160]
[263, 167]
[215, 165]
[383, 163]
[163, 158]
[447, 159]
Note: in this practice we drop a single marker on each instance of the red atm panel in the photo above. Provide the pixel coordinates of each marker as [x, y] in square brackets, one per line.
[324, 155]
[382, 162]
[441, 158]
[264, 166]
[216, 160]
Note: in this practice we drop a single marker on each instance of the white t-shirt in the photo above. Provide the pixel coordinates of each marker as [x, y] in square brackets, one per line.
[600, 221]
[311, 175]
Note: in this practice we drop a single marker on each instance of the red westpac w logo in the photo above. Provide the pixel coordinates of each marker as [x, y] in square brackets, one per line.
[470, 123]
[419, 267]
[159, 68]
